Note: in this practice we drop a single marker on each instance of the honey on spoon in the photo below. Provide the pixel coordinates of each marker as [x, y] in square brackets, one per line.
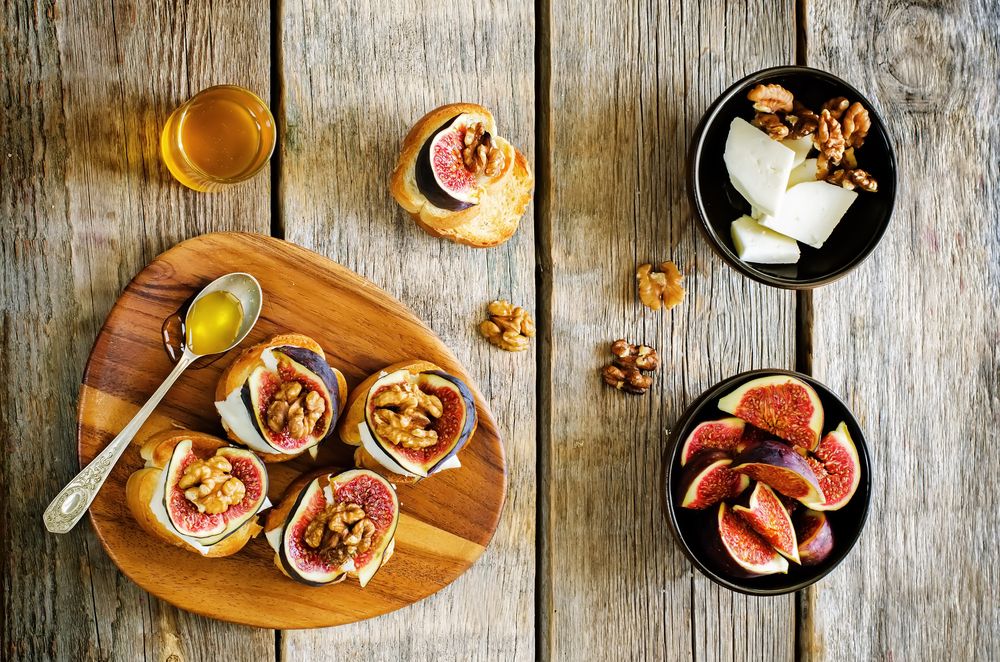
[220, 317]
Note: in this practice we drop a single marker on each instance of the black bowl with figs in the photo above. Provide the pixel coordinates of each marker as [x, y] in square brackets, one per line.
[766, 482]
[718, 202]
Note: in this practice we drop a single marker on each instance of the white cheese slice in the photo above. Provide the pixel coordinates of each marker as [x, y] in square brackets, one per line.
[758, 166]
[758, 244]
[274, 537]
[811, 211]
[236, 417]
[160, 513]
[801, 146]
[380, 455]
[451, 463]
[804, 172]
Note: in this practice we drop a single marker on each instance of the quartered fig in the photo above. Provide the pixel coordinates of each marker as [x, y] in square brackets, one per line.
[707, 480]
[815, 537]
[836, 465]
[440, 170]
[316, 555]
[420, 421]
[751, 435]
[768, 517]
[737, 549]
[780, 467]
[721, 435]
[295, 407]
[212, 517]
[782, 405]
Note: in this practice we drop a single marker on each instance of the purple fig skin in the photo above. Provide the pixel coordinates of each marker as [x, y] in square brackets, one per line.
[783, 456]
[696, 468]
[813, 549]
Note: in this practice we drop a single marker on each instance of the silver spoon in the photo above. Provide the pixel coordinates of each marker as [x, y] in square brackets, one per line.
[74, 499]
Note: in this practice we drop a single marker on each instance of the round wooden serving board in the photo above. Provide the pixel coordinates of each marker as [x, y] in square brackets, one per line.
[445, 521]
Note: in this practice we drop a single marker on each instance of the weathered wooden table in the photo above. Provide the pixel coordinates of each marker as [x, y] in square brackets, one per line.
[603, 98]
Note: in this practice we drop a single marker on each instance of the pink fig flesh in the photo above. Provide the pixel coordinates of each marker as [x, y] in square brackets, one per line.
[837, 468]
[713, 435]
[769, 518]
[781, 468]
[784, 406]
[815, 537]
[707, 480]
[737, 549]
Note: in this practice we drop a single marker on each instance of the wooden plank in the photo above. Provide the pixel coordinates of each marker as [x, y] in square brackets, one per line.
[356, 76]
[629, 82]
[910, 339]
[86, 203]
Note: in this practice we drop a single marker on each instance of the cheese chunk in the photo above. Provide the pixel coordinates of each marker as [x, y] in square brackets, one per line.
[810, 212]
[758, 244]
[758, 166]
[801, 146]
[806, 172]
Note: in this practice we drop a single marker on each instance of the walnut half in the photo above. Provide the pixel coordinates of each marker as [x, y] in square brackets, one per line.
[208, 485]
[509, 327]
[658, 289]
[297, 411]
[340, 533]
[624, 375]
[403, 414]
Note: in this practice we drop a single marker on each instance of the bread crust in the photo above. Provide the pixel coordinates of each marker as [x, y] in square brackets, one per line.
[279, 514]
[140, 487]
[237, 373]
[434, 219]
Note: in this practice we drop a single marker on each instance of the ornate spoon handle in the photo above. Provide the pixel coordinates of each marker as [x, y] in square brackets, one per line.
[74, 499]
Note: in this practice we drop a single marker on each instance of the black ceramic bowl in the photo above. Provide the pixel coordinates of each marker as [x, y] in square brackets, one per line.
[688, 525]
[718, 204]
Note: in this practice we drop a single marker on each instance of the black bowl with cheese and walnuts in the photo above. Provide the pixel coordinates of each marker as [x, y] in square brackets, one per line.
[718, 204]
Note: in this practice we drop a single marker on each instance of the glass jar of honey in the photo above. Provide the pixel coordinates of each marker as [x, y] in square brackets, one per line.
[221, 136]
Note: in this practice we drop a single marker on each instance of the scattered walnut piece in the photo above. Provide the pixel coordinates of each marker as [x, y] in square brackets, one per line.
[856, 124]
[508, 327]
[770, 99]
[628, 355]
[295, 410]
[772, 125]
[624, 374]
[662, 288]
[208, 485]
[402, 414]
[836, 107]
[829, 138]
[822, 167]
[628, 380]
[340, 533]
[801, 121]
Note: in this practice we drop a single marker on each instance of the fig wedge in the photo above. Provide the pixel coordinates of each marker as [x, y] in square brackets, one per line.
[783, 405]
[707, 480]
[836, 465]
[737, 549]
[721, 435]
[780, 467]
[815, 537]
[768, 517]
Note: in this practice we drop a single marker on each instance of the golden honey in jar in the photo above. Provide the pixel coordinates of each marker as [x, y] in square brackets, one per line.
[221, 136]
[213, 323]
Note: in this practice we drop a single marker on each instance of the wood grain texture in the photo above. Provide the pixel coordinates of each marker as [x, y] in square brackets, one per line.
[86, 202]
[629, 82]
[355, 77]
[445, 522]
[910, 339]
